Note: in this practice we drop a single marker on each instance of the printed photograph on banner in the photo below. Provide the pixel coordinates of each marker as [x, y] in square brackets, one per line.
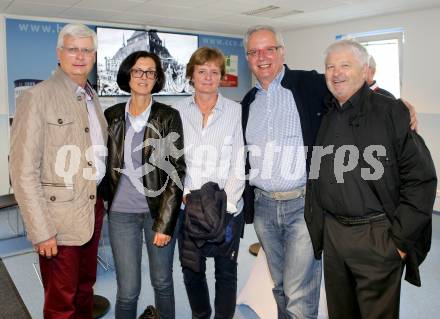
[173, 49]
[231, 77]
[236, 66]
[23, 37]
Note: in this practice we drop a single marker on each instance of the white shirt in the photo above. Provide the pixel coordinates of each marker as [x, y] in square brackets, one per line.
[214, 153]
[95, 134]
[140, 121]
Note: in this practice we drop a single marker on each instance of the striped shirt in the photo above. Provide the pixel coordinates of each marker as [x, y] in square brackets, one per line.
[214, 153]
[95, 132]
[274, 139]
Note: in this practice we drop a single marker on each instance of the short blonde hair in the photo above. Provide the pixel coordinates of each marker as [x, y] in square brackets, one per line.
[203, 55]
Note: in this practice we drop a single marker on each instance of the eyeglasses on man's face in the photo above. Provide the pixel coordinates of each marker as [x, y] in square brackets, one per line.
[268, 51]
[138, 73]
[74, 51]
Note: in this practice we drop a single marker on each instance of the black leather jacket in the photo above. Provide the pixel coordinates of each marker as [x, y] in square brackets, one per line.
[164, 195]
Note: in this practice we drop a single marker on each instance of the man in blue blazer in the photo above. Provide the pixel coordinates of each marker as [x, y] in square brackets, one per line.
[281, 115]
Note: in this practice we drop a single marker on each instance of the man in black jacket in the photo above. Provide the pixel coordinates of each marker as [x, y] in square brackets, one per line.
[372, 82]
[370, 195]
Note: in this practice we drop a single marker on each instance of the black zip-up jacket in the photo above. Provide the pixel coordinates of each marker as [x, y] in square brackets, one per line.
[407, 188]
[163, 120]
[205, 224]
[309, 91]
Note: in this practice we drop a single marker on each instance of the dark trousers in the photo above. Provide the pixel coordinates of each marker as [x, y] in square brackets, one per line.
[225, 289]
[69, 277]
[362, 270]
[225, 265]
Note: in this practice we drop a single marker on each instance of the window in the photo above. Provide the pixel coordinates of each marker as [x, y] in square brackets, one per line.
[386, 46]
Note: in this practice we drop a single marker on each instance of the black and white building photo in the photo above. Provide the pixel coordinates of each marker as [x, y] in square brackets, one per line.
[174, 50]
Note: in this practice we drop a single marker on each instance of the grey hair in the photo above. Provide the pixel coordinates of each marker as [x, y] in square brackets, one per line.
[251, 30]
[355, 47]
[77, 30]
[371, 63]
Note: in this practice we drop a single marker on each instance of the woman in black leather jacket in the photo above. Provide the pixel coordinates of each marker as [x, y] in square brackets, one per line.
[145, 167]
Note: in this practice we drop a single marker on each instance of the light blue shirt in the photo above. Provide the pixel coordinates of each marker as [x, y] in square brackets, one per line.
[274, 139]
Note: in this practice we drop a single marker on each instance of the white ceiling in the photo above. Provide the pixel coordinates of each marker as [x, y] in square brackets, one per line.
[218, 16]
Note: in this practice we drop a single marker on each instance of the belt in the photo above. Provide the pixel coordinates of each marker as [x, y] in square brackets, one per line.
[293, 194]
[359, 220]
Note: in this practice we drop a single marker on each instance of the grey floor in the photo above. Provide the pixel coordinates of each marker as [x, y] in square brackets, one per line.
[21, 261]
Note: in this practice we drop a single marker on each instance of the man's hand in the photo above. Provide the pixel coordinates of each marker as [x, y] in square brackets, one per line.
[412, 113]
[161, 240]
[47, 248]
[401, 253]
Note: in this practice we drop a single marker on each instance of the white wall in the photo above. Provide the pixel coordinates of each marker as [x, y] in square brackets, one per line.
[420, 53]
[421, 56]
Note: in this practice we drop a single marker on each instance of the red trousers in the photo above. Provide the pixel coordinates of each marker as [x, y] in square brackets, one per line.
[69, 277]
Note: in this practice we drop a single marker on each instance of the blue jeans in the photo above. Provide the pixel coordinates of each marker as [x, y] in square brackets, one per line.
[125, 230]
[283, 234]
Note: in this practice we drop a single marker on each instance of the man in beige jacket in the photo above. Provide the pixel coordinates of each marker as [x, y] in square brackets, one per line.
[57, 159]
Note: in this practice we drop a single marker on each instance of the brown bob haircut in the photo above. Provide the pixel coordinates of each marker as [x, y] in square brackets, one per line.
[203, 55]
[124, 74]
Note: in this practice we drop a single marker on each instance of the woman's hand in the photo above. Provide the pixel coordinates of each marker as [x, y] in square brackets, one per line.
[161, 240]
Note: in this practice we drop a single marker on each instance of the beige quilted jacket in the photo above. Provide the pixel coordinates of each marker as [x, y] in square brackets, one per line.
[48, 117]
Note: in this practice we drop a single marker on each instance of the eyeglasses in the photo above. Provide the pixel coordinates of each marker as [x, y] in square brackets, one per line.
[269, 51]
[138, 73]
[73, 51]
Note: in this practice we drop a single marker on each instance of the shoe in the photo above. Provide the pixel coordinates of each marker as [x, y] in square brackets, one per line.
[101, 306]
[150, 313]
